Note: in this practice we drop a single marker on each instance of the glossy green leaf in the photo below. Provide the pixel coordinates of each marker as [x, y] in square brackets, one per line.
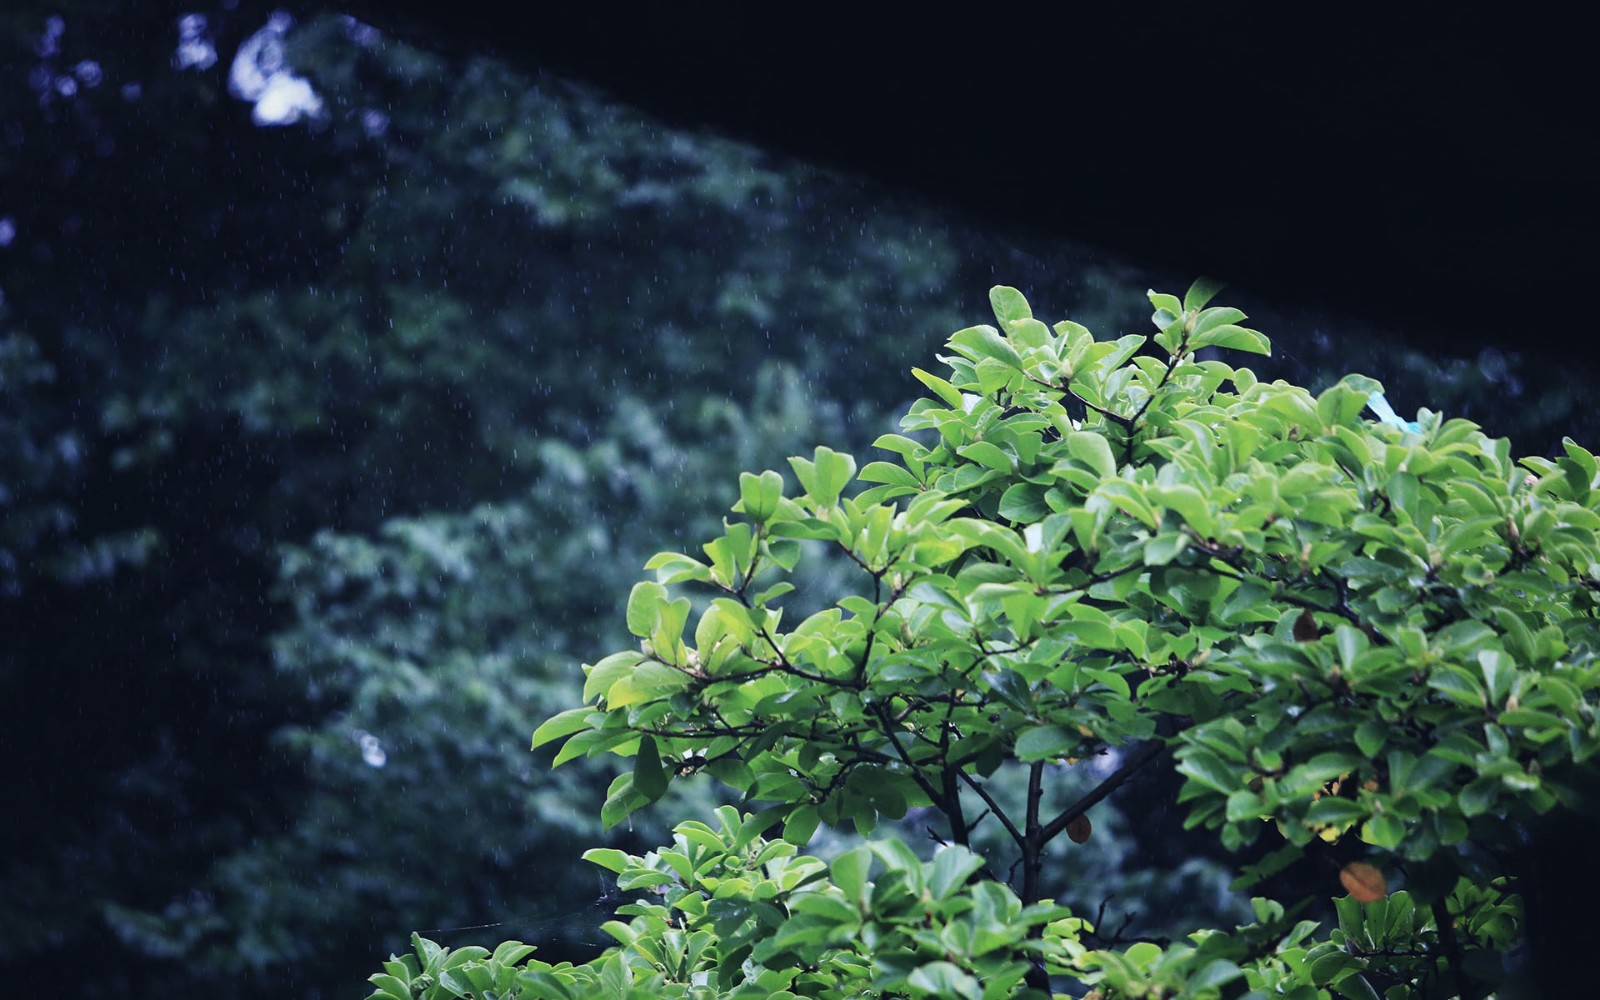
[1008, 304]
[1093, 450]
[649, 777]
[1234, 338]
[825, 476]
[759, 495]
[941, 388]
[608, 671]
[978, 342]
[944, 979]
[952, 866]
[1201, 292]
[849, 871]
[1024, 503]
[1044, 742]
[562, 724]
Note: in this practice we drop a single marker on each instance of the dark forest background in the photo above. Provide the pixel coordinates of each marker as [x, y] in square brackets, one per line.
[330, 449]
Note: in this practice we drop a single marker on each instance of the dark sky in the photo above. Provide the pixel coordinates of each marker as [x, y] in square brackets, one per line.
[1424, 168]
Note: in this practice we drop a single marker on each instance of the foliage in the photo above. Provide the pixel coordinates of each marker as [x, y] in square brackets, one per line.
[422, 661]
[1359, 641]
[307, 432]
[346, 343]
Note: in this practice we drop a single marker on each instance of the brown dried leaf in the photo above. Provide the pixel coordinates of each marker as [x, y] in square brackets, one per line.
[1363, 881]
[1079, 829]
[1305, 627]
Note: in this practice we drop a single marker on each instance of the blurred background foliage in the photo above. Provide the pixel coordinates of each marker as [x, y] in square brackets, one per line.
[329, 451]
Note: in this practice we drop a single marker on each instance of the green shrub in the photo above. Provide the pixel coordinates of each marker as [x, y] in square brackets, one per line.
[1367, 643]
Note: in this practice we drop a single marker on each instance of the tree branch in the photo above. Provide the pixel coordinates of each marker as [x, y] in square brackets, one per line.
[1140, 757]
[994, 807]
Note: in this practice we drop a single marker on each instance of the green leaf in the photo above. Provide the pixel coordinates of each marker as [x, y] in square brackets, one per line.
[885, 472]
[1164, 304]
[994, 375]
[825, 476]
[1498, 672]
[1461, 687]
[562, 724]
[759, 495]
[608, 671]
[800, 825]
[1165, 547]
[1215, 973]
[461, 981]
[849, 871]
[621, 800]
[389, 986]
[1189, 504]
[1206, 768]
[1024, 503]
[1328, 966]
[944, 390]
[644, 607]
[1028, 333]
[1044, 742]
[952, 866]
[944, 979]
[509, 953]
[979, 342]
[1201, 292]
[1143, 954]
[1355, 987]
[647, 681]
[1478, 796]
[987, 455]
[1094, 451]
[1212, 319]
[674, 567]
[1235, 338]
[1127, 497]
[1384, 830]
[1371, 736]
[609, 858]
[1334, 810]
[1528, 718]
[1008, 304]
[649, 777]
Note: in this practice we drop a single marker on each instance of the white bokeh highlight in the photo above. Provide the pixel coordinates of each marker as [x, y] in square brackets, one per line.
[261, 75]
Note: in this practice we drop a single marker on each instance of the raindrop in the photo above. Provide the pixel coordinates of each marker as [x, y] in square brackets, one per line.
[8, 230]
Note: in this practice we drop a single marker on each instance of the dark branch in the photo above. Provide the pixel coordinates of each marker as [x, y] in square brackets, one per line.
[1147, 752]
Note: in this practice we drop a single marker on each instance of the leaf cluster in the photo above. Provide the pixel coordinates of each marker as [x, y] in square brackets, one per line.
[1341, 631]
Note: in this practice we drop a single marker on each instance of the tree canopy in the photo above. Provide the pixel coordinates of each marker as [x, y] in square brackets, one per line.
[1371, 643]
